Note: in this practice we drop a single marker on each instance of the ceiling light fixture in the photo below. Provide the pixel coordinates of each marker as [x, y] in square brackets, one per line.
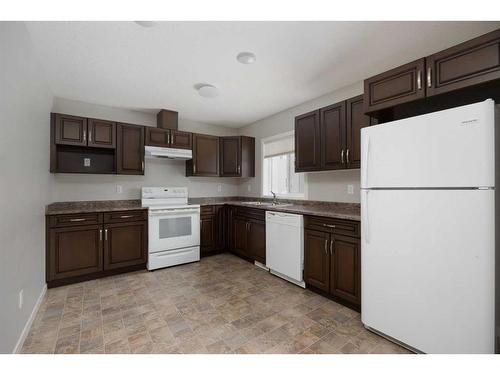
[146, 23]
[207, 91]
[246, 57]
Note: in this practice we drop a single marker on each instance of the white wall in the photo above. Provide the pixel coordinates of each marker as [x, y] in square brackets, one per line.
[323, 186]
[25, 102]
[158, 172]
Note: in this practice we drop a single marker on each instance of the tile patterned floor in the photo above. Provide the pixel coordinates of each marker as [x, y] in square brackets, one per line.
[219, 305]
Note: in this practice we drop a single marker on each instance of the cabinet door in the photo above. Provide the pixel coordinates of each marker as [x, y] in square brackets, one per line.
[356, 120]
[317, 259]
[157, 137]
[130, 149]
[332, 125]
[125, 244]
[70, 130]
[473, 62]
[230, 156]
[257, 240]
[307, 142]
[207, 234]
[345, 268]
[205, 156]
[220, 227]
[180, 139]
[101, 133]
[74, 251]
[400, 85]
[240, 232]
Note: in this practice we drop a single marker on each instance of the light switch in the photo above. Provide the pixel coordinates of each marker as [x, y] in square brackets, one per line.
[219, 188]
[350, 189]
[119, 189]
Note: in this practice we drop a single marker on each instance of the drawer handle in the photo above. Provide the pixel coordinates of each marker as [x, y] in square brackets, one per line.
[126, 216]
[329, 225]
[73, 220]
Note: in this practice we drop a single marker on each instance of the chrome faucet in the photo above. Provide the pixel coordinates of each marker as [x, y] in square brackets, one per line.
[275, 200]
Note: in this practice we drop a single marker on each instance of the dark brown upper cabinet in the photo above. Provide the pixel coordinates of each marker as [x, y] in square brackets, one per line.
[473, 62]
[180, 139]
[205, 162]
[168, 138]
[356, 120]
[130, 149]
[333, 145]
[396, 86]
[339, 127]
[157, 137]
[237, 156]
[70, 130]
[101, 133]
[307, 142]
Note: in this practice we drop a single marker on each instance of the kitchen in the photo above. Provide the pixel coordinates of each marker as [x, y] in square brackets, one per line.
[157, 232]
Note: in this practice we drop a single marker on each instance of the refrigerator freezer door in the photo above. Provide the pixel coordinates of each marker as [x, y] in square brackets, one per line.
[451, 148]
[427, 266]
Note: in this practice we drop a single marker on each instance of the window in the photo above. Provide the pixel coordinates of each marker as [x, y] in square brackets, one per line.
[278, 169]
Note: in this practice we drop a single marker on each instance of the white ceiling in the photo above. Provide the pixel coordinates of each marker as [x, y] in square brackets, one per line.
[125, 65]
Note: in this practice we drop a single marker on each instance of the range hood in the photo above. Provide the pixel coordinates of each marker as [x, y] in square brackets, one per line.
[168, 153]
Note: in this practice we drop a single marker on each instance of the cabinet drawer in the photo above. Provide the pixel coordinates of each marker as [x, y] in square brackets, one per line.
[251, 213]
[207, 210]
[74, 219]
[338, 226]
[123, 216]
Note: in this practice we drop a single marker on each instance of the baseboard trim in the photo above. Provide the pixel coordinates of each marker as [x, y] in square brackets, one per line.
[27, 326]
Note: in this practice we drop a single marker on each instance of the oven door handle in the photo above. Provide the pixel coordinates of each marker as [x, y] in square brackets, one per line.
[172, 212]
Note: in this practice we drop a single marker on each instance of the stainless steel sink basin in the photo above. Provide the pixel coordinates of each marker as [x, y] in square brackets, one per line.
[269, 204]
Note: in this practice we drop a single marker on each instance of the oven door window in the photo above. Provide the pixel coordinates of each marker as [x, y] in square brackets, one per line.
[175, 227]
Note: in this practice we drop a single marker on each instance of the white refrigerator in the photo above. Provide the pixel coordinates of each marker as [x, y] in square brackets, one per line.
[428, 230]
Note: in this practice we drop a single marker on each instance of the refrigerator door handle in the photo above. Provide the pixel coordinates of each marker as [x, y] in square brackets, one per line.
[365, 217]
[366, 158]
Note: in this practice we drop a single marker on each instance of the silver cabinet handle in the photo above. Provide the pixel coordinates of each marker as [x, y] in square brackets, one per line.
[429, 77]
[329, 225]
[239, 168]
[331, 247]
[419, 80]
[100, 234]
[194, 168]
[143, 165]
[105, 234]
[342, 156]
[73, 220]
[90, 136]
[326, 247]
[169, 139]
[347, 156]
[126, 216]
[84, 136]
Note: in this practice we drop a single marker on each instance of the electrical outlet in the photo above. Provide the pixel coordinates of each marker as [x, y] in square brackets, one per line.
[249, 187]
[21, 299]
[350, 189]
[119, 189]
[219, 188]
[86, 162]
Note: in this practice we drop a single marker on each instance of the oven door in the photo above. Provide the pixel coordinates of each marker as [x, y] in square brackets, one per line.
[173, 229]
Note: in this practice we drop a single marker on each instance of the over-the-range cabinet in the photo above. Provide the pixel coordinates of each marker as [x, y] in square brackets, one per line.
[329, 138]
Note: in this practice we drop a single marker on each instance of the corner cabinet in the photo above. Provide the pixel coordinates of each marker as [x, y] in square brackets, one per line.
[330, 138]
[90, 245]
[332, 258]
[213, 229]
[247, 233]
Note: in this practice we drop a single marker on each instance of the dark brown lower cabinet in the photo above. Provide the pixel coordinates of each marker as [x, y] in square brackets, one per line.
[332, 261]
[74, 251]
[247, 233]
[125, 244]
[212, 230]
[91, 245]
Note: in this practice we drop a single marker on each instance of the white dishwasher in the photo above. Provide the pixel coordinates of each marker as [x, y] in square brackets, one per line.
[285, 246]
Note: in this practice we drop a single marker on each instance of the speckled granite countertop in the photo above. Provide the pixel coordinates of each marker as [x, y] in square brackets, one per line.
[60, 208]
[347, 211]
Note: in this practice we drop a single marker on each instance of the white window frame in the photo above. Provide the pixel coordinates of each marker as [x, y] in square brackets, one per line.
[263, 141]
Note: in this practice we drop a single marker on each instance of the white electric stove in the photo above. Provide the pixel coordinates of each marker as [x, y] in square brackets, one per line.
[174, 226]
